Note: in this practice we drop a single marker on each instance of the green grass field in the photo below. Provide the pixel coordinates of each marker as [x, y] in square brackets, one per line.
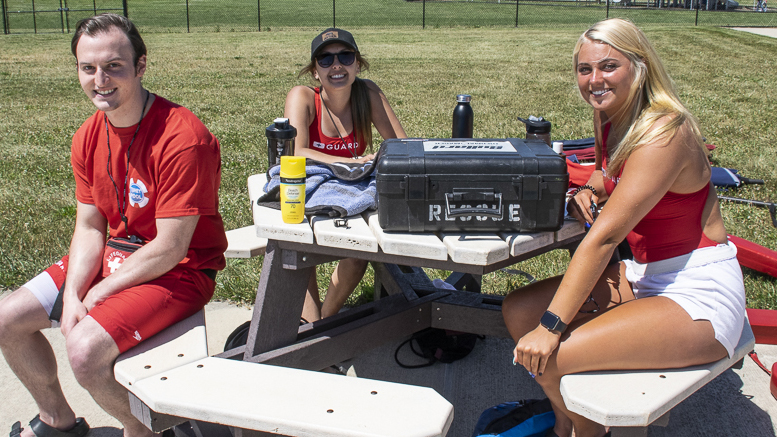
[247, 15]
[237, 82]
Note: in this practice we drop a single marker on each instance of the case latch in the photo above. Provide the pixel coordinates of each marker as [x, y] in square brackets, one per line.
[529, 187]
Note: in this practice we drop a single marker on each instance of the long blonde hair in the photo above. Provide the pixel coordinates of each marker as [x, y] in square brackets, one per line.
[361, 109]
[652, 94]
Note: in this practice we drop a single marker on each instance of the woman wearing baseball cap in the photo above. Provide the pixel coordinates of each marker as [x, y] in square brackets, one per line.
[334, 124]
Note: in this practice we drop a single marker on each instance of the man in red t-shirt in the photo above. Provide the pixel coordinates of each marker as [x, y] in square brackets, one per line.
[147, 175]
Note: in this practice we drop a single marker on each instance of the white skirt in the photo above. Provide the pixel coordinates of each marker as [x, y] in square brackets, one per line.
[707, 283]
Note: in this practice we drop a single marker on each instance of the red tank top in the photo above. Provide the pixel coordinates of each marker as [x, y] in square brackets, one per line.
[672, 228]
[348, 147]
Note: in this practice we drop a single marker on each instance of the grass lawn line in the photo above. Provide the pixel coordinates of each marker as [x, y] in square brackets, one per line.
[237, 82]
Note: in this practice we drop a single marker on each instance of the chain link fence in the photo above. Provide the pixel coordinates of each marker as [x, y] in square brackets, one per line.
[47, 16]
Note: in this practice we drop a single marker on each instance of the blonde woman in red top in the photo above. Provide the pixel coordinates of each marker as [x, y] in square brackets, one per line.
[334, 124]
[680, 302]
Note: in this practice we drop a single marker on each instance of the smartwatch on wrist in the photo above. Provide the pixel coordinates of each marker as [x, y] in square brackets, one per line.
[553, 323]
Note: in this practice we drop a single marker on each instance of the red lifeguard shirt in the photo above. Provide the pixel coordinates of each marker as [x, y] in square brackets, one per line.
[348, 147]
[174, 171]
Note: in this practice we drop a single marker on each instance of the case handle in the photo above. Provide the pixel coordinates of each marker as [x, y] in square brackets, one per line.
[473, 195]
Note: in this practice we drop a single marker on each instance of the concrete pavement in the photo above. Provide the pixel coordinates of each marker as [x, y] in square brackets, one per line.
[16, 404]
[737, 403]
[765, 31]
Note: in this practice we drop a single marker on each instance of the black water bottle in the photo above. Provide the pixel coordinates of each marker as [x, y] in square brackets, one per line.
[280, 140]
[537, 128]
[462, 117]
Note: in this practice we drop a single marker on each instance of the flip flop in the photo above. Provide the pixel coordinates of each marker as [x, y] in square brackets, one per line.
[40, 429]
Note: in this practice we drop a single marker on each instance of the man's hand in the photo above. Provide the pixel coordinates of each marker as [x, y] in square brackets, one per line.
[73, 310]
[86, 249]
[93, 298]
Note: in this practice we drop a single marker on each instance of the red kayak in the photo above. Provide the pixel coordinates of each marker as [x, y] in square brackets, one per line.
[755, 256]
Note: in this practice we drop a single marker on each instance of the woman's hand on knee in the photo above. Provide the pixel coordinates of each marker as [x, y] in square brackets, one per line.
[534, 349]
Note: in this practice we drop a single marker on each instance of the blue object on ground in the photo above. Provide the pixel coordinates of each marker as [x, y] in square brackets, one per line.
[525, 418]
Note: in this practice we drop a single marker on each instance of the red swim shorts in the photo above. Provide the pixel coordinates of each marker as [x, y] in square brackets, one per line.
[139, 312]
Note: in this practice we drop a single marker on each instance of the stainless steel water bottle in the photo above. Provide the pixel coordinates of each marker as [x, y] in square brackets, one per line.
[537, 128]
[280, 140]
[462, 117]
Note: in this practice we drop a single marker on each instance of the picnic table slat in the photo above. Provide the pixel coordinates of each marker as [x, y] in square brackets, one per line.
[426, 245]
[269, 222]
[354, 234]
[521, 243]
[479, 249]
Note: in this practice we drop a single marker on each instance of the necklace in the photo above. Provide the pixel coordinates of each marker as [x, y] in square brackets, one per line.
[353, 152]
[123, 203]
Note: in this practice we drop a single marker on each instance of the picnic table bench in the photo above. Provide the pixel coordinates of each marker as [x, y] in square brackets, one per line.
[630, 400]
[171, 379]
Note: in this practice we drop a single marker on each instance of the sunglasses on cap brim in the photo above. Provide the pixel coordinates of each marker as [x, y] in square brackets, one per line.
[326, 60]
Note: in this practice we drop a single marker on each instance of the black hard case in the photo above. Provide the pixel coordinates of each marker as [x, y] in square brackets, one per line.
[428, 185]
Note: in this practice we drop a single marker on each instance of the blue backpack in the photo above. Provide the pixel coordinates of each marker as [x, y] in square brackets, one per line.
[526, 418]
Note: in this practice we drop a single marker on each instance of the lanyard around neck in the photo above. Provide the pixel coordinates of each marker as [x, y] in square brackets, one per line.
[353, 152]
[123, 203]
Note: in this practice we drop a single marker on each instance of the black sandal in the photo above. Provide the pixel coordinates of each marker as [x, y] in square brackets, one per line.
[40, 429]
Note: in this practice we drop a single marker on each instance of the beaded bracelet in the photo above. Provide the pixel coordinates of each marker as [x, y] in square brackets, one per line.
[584, 187]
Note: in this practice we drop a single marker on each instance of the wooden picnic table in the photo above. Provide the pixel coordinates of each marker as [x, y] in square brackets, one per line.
[409, 302]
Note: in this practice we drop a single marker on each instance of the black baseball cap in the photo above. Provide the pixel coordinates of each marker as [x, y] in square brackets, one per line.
[330, 36]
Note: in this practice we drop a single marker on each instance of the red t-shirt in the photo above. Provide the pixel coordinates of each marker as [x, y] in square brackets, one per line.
[174, 171]
[348, 147]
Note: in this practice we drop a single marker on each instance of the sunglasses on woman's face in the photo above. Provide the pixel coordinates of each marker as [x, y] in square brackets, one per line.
[325, 60]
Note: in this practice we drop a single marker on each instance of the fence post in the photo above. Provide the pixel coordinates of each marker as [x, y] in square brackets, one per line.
[187, 17]
[423, 17]
[34, 19]
[67, 17]
[62, 15]
[259, 14]
[516, 12]
[94, 5]
[607, 14]
[698, 6]
[124, 5]
[334, 22]
[5, 17]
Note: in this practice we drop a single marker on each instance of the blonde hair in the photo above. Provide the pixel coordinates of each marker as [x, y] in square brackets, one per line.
[361, 109]
[652, 95]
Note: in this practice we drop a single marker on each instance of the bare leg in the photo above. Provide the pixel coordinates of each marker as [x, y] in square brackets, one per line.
[31, 358]
[311, 310]
[650, 333]
[345, 278]
[92, 353]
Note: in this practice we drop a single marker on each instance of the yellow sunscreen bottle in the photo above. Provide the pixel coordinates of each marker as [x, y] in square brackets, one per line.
[293, 189]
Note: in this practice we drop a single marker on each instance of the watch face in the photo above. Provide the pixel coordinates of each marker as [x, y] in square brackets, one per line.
[549, 320]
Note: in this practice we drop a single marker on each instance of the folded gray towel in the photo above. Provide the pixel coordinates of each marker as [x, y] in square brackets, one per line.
[337, 190]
